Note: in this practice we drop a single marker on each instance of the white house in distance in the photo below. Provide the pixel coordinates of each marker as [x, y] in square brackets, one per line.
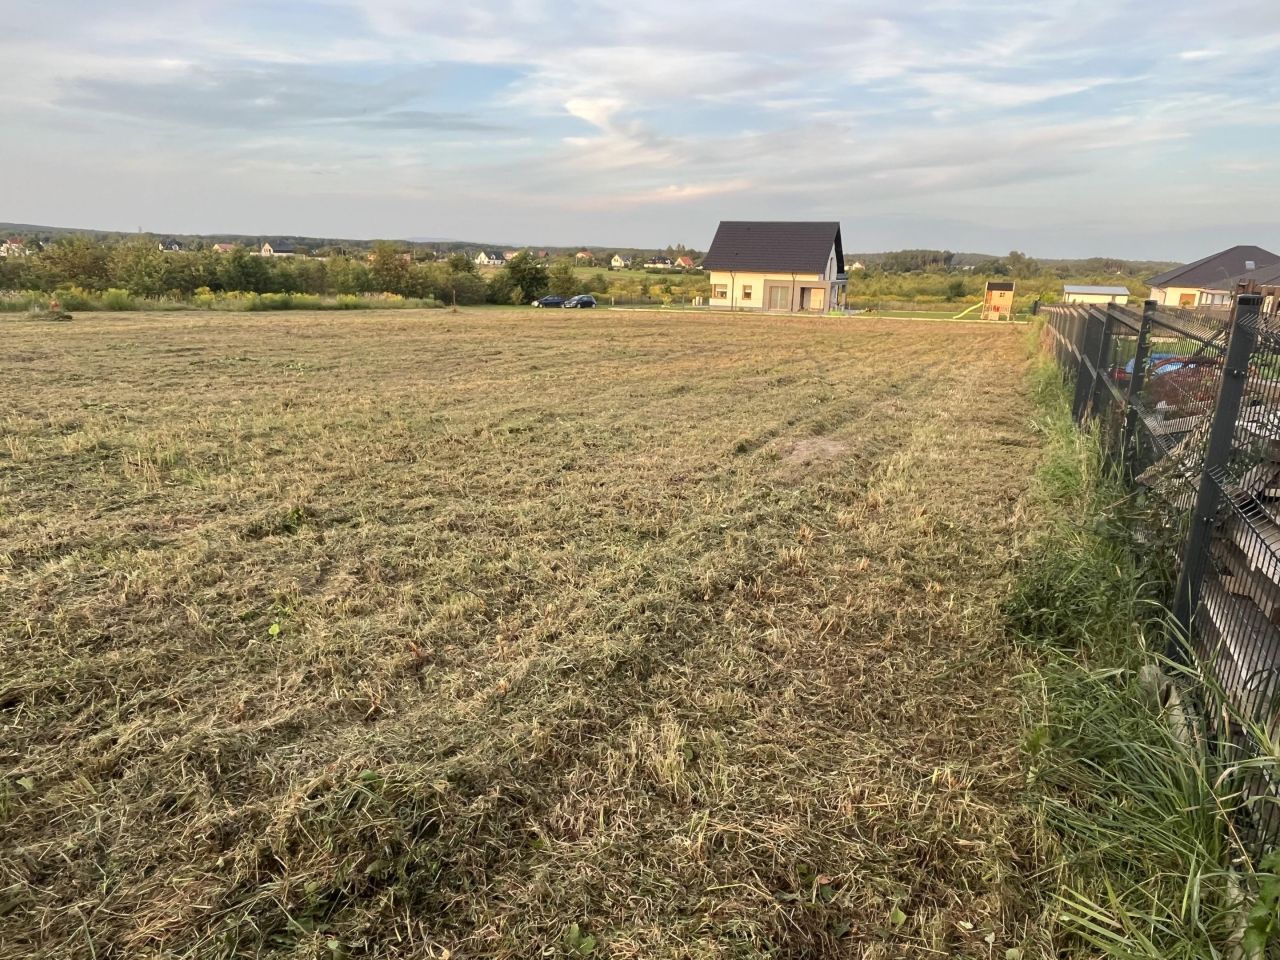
[1078, 293]
[776, 265]
[280, 249]
[1200, 283]
[619, 262]
[13, 247]
[486, 259]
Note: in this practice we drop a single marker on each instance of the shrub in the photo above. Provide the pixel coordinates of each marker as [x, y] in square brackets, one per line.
[76, 298]
[116, 299]
[20, 301]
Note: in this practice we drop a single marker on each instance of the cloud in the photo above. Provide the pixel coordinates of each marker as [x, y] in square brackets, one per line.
[540, 116]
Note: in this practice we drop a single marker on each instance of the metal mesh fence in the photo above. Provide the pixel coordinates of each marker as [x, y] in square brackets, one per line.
[1187, 408]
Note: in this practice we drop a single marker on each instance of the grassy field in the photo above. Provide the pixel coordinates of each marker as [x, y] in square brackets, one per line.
[511, 634]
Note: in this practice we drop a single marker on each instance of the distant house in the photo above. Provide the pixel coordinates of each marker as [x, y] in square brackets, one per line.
[223, 247]
[1203, 283]
[510, 254]
[1076, 293]
[281, 249]
[776, 265]
[1264, 280]
[486, 259]
[584, 256]
[659, 263]
[997, 301]
[685, 262]
[14, 247]
[619, 262]
[170, 245]
[857, 265]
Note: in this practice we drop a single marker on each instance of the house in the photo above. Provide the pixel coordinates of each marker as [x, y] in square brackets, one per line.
[281, 249]
[857, 265]
[776, 265]
[584, 256]
[1202, 283]
[659, 263]
[619, 262]
[685, 262]
[1076, 293]
[1264, 280]
[510, 254]
[486, 259]
[170, 245]
[997, 302]
[14, 247]
[223, 247]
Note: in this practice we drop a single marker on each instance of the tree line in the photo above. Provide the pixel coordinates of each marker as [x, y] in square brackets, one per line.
[139, 267]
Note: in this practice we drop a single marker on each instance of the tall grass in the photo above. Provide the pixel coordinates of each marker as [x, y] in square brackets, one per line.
[1136, 820]
[77, 299]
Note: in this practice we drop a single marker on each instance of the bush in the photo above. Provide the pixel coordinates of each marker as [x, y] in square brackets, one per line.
[76, 298]
[116, 299]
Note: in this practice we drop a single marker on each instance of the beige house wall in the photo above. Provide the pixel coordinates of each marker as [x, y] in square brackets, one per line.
[736, 289]
[1173, 296]
[1094, 298]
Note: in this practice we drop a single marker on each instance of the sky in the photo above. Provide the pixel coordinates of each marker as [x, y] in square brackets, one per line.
[1146, 129]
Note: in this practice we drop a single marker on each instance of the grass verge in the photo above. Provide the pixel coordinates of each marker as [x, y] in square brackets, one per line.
[1135, 818]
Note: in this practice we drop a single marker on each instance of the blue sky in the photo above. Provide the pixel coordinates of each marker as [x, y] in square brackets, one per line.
[1138, 129]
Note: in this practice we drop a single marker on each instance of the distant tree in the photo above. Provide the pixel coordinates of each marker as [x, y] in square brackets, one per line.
[78, 260]
[140, 267]
[461, 263]
[527, 275]
[388, 267]
[1020, 265]
[561, 279]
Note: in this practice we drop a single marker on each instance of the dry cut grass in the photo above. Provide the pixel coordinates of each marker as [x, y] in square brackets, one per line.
[510, 634]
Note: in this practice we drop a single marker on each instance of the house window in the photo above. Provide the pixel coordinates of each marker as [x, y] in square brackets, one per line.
[746, 291]
[719, 291]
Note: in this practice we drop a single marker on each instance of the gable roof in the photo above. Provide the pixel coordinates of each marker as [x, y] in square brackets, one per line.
[1000, 285]
[1216, 268]
[791, 246]
[1102, 291]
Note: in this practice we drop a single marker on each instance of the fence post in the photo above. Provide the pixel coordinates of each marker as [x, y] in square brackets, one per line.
[1087, 347]
[1128, 446]
[1100, 360]
[1235, 370]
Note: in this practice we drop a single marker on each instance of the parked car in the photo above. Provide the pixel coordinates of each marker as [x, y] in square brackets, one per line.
[582, 300]
[1180, 382]
[1120, 375]
[551, 300]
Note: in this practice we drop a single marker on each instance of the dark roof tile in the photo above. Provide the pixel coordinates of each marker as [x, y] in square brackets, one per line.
[787, 246]
[1216, 268]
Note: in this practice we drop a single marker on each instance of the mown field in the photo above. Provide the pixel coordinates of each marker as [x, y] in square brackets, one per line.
[510, 634]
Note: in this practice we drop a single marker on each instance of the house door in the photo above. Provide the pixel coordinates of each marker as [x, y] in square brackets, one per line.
[779, 298]
[816, 299]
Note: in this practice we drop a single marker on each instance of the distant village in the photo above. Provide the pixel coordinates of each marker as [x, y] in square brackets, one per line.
[790, 266]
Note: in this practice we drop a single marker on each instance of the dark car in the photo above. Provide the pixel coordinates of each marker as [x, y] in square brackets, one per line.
[582, 300]
[1181, 383]
[1121, 374]
[549, 301]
